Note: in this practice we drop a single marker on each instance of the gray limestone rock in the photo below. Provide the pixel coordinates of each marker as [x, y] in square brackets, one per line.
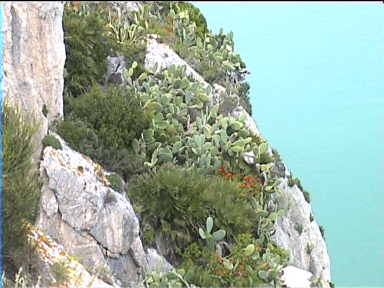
[115, 70]
[34, 56]
[314, 259]
[160, 56]
[92, 221]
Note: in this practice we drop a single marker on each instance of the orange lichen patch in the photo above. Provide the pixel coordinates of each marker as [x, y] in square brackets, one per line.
[50, 252]
[100, 174]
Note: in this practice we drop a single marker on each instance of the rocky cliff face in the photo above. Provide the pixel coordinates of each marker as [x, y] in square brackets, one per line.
[79, 209]
[94, 223]
[34, 57]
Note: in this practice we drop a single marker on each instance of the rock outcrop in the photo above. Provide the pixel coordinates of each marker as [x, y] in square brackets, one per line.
[34, 56]
[308, 248]
[94, 223]
[54, 259]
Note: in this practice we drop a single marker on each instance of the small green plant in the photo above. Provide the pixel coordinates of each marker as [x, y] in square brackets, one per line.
[309, 248]
[50, 140]
[322, 231]
[291, 181]
[211, 239]
[45, 110]
[294, 181]
[307, 196]
[299, 228]
[116, 182]
[173, 278]
[311, 217]
[60, 272]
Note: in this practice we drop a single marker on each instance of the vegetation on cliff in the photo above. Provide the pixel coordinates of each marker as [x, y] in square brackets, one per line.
[21, 188]
[181, 156]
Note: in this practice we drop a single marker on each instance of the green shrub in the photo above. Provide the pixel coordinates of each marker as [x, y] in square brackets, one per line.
[307, 196]
[21, 190]
[45, 110]
[180, 199]
[50, 140]
[83, 139]
[299, 228]
[90, 37]
[309, 248]
[116, 182]
[322, 231]
[114, 113]
[78, 135]
[249, 263]
[87, 47]
[60, 271]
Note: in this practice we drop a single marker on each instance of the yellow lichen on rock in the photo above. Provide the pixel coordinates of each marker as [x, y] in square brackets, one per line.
[72, 273]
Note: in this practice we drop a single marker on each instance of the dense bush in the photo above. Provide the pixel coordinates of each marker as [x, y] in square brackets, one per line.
[50, 140]
[21, 190]
[249, 264]
[87, 47]
[91, 33]
[116, 182]
[184, 197]
[85, 140]
[114, 113]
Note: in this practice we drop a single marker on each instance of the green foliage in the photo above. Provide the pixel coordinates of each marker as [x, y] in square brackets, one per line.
[91, 33]
[299, 228]
[45, 110]
[179, 199]
[311, 217]
[309, 248]
[173, 278]
[249, 263]
[50, 140]
[211, 238]
[116, 182]
[22, 279]
[162, 133]
[21, 190]
[307, 196]
[114, 113]
[87, 47]
[322, 231]
[83, 139]
[60, 272]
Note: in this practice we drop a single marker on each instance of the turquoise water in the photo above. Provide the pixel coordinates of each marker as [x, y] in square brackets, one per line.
[317, 96]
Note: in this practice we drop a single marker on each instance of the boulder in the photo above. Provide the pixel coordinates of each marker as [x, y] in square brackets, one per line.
[294, 277]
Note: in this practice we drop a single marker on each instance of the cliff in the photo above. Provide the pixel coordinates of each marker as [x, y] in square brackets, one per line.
[149, 90]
